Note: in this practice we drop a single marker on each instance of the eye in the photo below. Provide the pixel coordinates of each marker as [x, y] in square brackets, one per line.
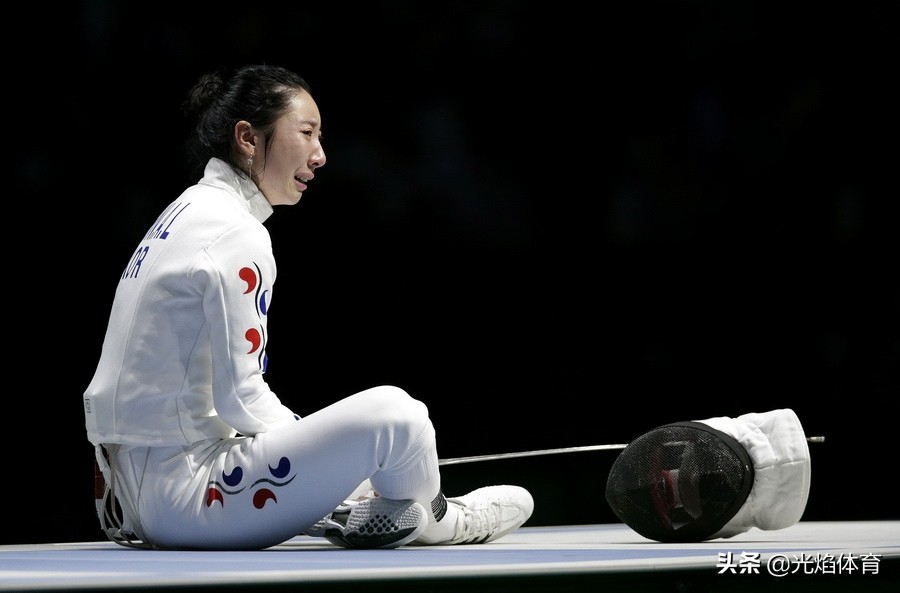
[312, 134]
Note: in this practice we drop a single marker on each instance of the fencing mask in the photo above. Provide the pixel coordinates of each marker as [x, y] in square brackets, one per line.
[699, 480]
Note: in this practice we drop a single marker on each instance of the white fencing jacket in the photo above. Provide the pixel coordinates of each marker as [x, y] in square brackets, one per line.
[184, 353]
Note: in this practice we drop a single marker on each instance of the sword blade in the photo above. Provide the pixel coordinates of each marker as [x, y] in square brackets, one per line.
[474, 458]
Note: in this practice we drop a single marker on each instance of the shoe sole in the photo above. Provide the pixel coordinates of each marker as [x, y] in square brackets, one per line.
[393, 524]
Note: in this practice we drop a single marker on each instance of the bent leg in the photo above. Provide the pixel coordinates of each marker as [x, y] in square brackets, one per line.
[255, 492]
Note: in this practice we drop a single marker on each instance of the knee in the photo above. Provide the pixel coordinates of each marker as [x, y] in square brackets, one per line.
[397, 405]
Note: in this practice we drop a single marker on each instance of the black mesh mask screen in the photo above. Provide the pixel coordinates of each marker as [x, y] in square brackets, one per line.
[680, 482]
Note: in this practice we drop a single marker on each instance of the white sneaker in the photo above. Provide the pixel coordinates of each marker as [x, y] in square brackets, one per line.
[372, 523]
[490, 513]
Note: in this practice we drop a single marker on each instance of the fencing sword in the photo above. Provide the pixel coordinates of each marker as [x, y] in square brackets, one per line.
[474, 458]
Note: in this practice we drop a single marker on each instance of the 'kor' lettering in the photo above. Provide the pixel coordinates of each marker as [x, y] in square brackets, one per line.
[134, 266]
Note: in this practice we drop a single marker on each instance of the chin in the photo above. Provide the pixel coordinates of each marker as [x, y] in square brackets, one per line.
[290, 200]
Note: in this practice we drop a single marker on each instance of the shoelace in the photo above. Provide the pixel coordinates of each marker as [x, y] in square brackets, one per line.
[478, 524]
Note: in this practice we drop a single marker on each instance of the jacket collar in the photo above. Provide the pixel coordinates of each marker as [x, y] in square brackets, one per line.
[218, 173]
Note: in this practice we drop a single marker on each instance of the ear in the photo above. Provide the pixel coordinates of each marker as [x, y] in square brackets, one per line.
[245, 138]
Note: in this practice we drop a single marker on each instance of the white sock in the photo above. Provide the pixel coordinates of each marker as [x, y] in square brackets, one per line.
[443, 531]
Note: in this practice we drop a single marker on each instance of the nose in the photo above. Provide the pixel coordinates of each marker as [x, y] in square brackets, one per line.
[317, 159]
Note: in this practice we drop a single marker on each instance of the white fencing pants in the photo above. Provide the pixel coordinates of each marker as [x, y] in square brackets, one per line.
[256, 492]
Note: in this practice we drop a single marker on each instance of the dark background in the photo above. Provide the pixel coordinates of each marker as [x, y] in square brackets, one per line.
[558, 224]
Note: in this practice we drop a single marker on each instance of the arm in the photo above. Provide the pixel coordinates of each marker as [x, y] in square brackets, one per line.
[237, 272]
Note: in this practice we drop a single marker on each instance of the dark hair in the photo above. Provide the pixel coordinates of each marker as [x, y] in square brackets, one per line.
[258, 94]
